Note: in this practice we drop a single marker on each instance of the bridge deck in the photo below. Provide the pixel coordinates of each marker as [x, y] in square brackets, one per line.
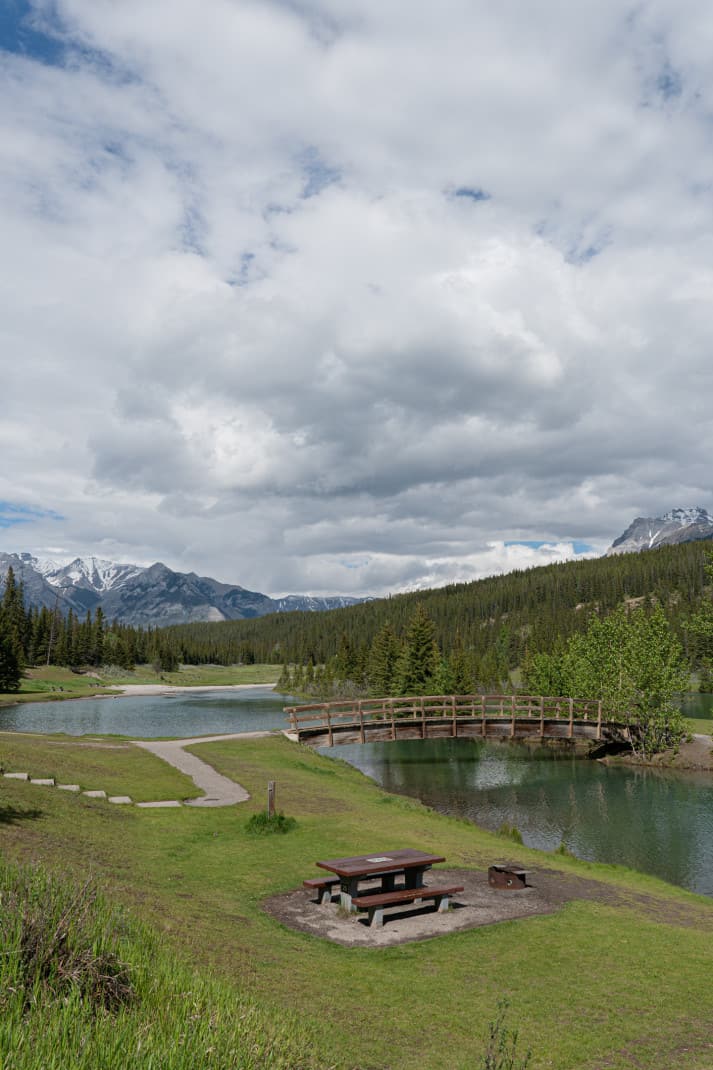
[448, 716]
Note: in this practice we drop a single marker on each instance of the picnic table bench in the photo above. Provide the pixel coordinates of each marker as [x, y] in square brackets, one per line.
[375, 903]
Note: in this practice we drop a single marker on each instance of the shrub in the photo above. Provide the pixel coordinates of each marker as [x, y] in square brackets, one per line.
[262, 825]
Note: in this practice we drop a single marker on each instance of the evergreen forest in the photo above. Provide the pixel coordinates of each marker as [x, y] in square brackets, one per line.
[458, 638]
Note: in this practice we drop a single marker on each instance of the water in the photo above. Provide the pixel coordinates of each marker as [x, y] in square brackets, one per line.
[654, 821]
[195, 713]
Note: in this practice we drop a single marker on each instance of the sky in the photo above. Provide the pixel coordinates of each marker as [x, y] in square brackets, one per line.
[319, 296]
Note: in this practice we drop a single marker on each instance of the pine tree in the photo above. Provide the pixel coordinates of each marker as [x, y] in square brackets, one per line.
[381, 665]
[10, 670]
[419, 660]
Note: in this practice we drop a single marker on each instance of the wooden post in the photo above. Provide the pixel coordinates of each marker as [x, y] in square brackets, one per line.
[270, 798]
[393, 722]
[361, 723]
[599, 719]
[483, 716]
[329, 725]
[571, 718]
[455, 722]
[512, 721]
[423, 719]
[542, 716]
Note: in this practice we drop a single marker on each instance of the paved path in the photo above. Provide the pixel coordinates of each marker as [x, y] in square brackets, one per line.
[219, 790]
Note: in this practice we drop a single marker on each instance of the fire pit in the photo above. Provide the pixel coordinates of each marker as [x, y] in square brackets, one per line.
[507, 877]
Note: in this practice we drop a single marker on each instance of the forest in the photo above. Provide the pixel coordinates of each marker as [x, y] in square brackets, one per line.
[477, 633]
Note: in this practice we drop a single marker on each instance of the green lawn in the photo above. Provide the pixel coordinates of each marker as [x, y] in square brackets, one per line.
[593, 986]
[113, 764]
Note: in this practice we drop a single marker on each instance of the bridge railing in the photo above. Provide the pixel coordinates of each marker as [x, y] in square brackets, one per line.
[345, 713]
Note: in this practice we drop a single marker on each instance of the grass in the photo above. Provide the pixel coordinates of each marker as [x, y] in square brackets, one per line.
[593, 985]
[700, 724]
[83, 986]
[50, 683]
[195, 675]
[115, 765]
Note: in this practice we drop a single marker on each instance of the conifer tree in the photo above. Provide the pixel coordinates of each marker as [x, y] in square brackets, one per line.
[383, 656]
[419, 659]
[10, 670]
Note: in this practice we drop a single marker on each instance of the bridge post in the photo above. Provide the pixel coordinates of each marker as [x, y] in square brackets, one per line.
[599, 719]
[361, 723]
[455, 722]
[483, 716]
[571, 718]
[393, 723]
[329, 725]
[423, 719]
[542, 716]
[512, 716]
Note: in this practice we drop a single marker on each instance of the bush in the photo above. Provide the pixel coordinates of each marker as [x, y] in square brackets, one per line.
[262, 825]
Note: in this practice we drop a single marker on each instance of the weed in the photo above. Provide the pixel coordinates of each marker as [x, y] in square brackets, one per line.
[501, 1050]
[510, 832]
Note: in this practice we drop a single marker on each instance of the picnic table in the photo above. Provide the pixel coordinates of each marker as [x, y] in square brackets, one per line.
[385, 865]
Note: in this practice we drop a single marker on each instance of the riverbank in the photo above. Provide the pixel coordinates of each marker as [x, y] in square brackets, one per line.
[693, 755]
[54, 684]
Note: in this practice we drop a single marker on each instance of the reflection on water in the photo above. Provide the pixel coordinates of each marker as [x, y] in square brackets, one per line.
[195, 713]
[658, 822]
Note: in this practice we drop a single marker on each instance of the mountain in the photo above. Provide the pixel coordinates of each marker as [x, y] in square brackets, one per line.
[677, 526]
[155, 596]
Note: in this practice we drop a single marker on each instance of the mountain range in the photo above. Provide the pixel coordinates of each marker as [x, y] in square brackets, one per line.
[155, 596]
[158, 596]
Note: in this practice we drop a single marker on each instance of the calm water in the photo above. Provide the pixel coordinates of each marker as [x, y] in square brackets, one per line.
[660, 823]
[197, 713]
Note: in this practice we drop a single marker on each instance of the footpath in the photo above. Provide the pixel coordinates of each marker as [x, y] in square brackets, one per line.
[218, 790]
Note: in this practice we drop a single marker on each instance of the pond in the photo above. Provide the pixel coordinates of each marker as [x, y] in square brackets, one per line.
[193, 713]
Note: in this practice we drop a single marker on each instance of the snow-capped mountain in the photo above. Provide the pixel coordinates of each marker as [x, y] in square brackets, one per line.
[678, 525]
[153, 596]
[91, 573]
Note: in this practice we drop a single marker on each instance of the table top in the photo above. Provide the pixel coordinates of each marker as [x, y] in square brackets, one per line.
[380, 862]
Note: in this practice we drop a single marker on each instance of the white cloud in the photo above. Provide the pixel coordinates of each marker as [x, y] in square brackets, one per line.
[248, 327]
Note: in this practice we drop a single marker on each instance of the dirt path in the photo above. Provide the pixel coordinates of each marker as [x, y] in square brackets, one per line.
[219, 790]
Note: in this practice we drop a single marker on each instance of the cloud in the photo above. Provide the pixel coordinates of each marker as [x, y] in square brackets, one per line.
[324, 297]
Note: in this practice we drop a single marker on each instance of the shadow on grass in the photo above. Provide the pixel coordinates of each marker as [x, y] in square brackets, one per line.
[14, 815]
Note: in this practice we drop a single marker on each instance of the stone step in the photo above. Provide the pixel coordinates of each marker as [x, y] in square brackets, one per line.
[17, 776]
[45, 782]
[68, 787]
[95, 794]
[120, 800]
[159, 805]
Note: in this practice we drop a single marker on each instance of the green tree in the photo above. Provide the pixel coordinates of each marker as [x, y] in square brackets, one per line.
[633, 663]
[383, 656]
[10, 669]
[420, 657]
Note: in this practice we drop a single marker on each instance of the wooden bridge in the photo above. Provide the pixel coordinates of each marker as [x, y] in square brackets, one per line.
[497, 717]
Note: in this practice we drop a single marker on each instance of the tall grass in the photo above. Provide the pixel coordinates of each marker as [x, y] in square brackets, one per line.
[84, 986]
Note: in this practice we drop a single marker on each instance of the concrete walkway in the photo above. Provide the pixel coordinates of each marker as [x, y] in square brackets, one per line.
[219, 790]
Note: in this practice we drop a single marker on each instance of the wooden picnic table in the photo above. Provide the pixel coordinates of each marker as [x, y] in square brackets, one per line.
[385, 865]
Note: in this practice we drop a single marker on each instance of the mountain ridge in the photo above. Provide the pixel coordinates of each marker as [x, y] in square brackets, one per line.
[692, 524]
[152, 595]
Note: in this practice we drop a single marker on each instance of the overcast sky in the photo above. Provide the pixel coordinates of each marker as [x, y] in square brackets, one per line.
[347, 296]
